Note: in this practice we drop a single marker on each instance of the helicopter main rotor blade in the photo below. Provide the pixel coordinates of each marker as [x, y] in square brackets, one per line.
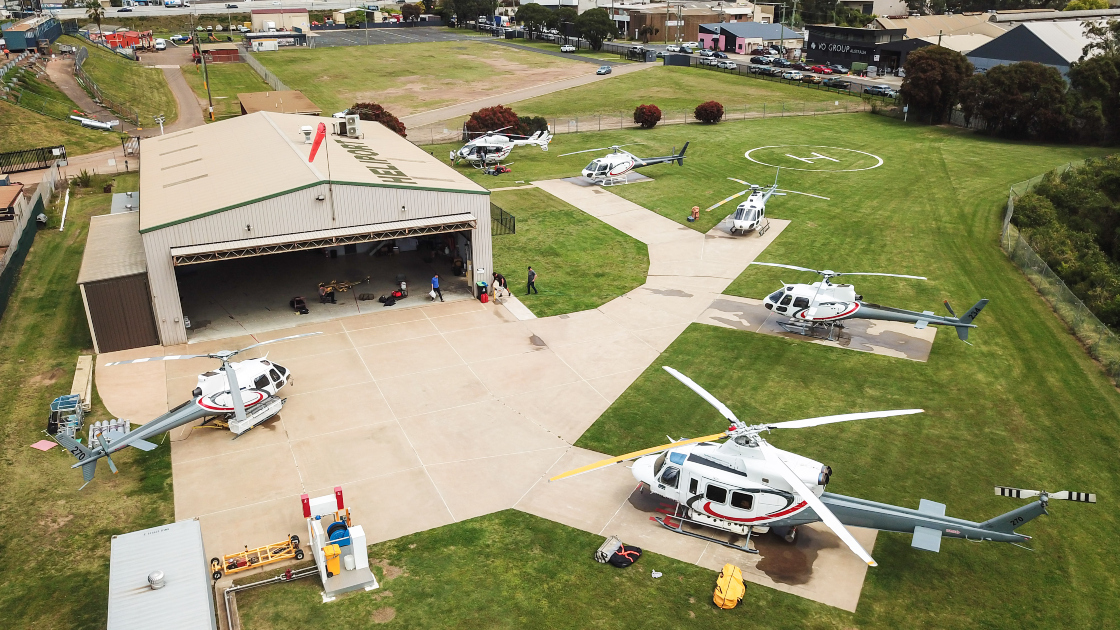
[735, 196]
[712, 400]
[803, 491]
[747, 184]
[801, 193]
[871, 273]
[635, 455]
[265, 343]
[585, 151]
[847, 417]
[794, 267]
[170, 357]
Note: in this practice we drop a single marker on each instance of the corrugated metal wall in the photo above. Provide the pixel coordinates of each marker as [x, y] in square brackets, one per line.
[120, 313]
[296, 213]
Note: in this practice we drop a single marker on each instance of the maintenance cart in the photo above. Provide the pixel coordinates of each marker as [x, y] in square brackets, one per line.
[253, 558]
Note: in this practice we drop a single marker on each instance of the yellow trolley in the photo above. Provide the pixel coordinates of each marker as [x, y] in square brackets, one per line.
[253, 558]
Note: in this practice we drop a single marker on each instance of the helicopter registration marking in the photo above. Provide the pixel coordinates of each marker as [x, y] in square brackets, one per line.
[785, 512]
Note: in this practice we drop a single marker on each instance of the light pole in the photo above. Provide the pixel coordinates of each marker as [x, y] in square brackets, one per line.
[159, 119]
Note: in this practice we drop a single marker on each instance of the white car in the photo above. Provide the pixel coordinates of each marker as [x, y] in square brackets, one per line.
[692, 45]
[567, 48]
[161, 44]
[792, 75]
[726, 64]
[708, 61]
[672, 48]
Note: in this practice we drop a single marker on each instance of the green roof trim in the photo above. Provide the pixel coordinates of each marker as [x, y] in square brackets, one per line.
[305, 187]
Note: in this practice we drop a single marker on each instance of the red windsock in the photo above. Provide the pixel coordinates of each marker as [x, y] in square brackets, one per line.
[320, 133]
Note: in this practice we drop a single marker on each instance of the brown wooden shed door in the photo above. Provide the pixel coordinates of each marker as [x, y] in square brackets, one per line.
[120, 310]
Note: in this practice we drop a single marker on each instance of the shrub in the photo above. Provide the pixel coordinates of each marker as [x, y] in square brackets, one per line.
[647, 115]
[528, 125]
[377, 113]
[710, 112]
[492, 119]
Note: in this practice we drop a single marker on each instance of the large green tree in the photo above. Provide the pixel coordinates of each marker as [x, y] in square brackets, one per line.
[1023, 100]
[533, 17]
[933, 78]
[595, 25]
[95, 12]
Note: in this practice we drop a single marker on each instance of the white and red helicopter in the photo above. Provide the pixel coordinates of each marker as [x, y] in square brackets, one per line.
[746, 486]
[492, 147]
[751, 214]
[824, 305]
[612, 168]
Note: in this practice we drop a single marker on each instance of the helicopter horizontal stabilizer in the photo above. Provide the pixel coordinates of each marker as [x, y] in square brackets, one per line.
[927, 539]
[89, 468]
[143, 445]
[921, 323]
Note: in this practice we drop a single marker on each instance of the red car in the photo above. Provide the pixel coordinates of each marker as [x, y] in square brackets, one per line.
[820, 70]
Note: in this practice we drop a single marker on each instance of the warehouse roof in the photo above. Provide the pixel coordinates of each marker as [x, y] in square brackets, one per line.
[273, 11]
[755, 30]
[284, 102]
[184, 602]
[113, 248]
[926, 26]
[194, 173]
[1050, 43]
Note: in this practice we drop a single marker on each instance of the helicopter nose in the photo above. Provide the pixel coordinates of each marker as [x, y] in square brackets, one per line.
[643, 469]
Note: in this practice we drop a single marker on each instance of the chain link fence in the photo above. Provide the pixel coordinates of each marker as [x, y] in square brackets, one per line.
[271, 79]
[96, 93]
[1100, 341]
[452, 130]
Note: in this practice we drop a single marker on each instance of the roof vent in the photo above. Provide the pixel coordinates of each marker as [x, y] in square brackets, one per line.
[306, 130]
[156, 581]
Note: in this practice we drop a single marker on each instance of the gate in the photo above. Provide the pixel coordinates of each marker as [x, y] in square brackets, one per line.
[31, 159]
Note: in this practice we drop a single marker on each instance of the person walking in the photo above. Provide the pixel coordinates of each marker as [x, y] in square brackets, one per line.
[435, 287]
[532, 287]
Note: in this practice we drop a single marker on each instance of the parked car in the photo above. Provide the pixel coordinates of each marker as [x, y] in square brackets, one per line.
[178, 39]
[688, 50]
[837, 68]
[775, 71]
[660, 55]
[811, 78]
[792, 75]
[231, 6]
[124, 10]
[765, 61]
[880, 90]
[603, 70]
[566, 48]
[839, 84]
[692, 45]
[709, 61]
[820, 70]
[757, 69]
[726, 64]
[781, 63]
[720, 55]
[161, 44]
[672, 48]
[704, 52]
[799, 66]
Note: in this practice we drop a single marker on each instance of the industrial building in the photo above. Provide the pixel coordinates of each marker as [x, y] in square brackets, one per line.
[743, 37]
[231, 237]
[265, 20]
[1056, 44]
[31, 33]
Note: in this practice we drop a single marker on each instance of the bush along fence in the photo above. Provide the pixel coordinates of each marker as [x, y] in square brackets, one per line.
[1101, 343]
[271, 79]
[95, 92]
[21, 233]
[451, 131]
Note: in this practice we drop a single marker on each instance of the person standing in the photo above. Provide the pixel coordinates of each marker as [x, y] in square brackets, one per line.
[532, 287]
[435, 287]
[500, 284]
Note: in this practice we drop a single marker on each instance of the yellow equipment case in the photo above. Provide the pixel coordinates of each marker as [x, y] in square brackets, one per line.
[729, 587]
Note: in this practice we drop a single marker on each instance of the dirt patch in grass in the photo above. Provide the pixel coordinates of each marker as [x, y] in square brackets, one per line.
[384, 615]
[46, 378]
[389, 571]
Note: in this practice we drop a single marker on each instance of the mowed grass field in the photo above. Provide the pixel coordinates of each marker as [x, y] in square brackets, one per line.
[607, 57]
[144, 89]
[54, 552]
[582, 262]
[410, 78]
[21, 129]
[227, 80]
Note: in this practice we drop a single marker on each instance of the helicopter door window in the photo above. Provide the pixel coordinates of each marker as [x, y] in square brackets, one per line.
[261, 382]
[785, 300]
[801, 302]
[692, 486]
[742, 500]
[715, 494]
[658, 463]
[274, 375]
[671, 475]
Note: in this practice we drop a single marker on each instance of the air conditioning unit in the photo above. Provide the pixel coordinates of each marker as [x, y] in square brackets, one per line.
[353, 126]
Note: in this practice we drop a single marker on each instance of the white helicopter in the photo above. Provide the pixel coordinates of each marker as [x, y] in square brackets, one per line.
[746, 486]
[824, 304]
[492, 147]
[751, 214]
[612, 168]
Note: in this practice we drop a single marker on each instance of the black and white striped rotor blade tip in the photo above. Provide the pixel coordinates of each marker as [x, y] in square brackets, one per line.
[1016, 493]
[1080, 497]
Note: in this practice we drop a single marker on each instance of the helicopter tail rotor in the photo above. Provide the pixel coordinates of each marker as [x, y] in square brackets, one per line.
[1064, 495]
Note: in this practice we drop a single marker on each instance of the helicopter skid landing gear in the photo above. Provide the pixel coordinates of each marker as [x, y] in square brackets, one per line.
[813, 329]
[763, 228]
[667, 523]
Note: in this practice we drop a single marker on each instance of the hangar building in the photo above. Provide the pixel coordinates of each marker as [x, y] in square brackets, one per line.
[235, 222]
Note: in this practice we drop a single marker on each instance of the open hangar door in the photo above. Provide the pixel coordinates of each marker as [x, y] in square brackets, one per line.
[236, 292]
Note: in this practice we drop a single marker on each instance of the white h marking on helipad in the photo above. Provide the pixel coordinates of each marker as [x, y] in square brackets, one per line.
[815, 156]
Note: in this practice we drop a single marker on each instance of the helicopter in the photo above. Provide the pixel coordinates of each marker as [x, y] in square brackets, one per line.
[218, 394]
[746, 486]
[492, 147]
[612, 168]
[824, 304]
[751, 214]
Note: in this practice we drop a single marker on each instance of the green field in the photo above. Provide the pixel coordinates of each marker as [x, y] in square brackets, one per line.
[227, 80]
[143, 89]
[55, 550]
[409, 78]
[167, 25]
[583, 52]
[24, 129]
[582, 262]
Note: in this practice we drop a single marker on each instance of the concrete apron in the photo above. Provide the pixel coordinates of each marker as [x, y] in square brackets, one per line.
[431, 415]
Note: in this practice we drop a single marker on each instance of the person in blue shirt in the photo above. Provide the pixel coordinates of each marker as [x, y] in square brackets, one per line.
[435, 287]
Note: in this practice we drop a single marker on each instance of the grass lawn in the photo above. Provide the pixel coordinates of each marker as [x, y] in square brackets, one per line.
[583, 52]
[409, 78]
[167, 25]
[227, 80]
[582, 262]
[55, 549]
[144, 89]
[21, 129]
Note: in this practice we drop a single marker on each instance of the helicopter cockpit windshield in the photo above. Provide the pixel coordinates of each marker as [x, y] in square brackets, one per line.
[775, 296]
[746, 214]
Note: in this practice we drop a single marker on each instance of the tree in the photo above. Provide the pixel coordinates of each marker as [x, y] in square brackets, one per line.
[933, 79]
[1086, 5]
[847, 16]
[493, 119]
[647, 116]
[377, 113]
[528, 125]
[561, 16]
[411, 12]
[647, 32]
[1024, 100]
[95, 12]
[533, 16]
[710, 112]
[355, 18]
[1095, 95]
[595, 25]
